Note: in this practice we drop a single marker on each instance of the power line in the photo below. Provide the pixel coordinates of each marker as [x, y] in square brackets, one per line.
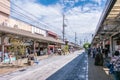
[30, 14]
[27, 12]
[19, 13]
[27, 17]
[23, 15]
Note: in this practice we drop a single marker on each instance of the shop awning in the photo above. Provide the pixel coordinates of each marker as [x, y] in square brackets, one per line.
[109, 23]
[10, 30]
[51, 33]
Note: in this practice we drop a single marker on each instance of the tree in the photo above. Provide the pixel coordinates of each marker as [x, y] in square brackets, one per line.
[17, 47]
[86, 45]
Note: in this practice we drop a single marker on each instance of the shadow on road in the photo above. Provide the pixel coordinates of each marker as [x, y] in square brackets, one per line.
[97, 71]
[68, 71]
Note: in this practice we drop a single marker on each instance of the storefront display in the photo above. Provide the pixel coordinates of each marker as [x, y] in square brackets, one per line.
[51, 49]
[8, 58]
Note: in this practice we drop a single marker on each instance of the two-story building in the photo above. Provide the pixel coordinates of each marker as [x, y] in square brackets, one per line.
[15, 32]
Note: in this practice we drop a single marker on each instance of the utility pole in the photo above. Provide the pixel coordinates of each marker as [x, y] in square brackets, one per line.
[84, 40]
[75, 38]
[80, 42]
[64, 25]
[63, 28]
[71, 3]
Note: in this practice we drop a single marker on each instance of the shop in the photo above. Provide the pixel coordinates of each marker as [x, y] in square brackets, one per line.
[116, 42]
[51, 49]
[41, 48]
[13, 47]
[57, 48]
[52, 35]
[108, 26]
[7, 55]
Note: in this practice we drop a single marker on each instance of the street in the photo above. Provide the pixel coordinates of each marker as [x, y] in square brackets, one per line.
[59, 39]
[66, 67]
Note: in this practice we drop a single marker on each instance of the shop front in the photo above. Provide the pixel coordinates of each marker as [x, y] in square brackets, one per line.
[116, 42]
[51, 49]
[12, 48]
[51, 34]
[57, 48]
[6, 55]
[41, 48]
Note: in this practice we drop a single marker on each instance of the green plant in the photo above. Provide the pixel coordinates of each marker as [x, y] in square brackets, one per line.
[86, 45]
[17, 47]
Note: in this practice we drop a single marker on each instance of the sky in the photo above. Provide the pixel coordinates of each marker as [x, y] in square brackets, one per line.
[81, 16]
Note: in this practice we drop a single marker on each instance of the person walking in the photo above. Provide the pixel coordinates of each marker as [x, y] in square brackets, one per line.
[106, 52]
[89, 51]
[99, 58]
[94, 52]
[115, 60]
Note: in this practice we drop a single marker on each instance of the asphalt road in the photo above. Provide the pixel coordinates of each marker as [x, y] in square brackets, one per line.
[66, 67]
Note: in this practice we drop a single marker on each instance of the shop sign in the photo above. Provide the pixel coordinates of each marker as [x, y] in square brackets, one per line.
[51, 46]
[38, 31]
[51, 33]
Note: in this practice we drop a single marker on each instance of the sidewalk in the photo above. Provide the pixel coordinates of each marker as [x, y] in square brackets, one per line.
[97, 72]
[7, 68]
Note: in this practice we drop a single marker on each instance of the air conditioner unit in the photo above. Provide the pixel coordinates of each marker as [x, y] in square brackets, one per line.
[16, 26]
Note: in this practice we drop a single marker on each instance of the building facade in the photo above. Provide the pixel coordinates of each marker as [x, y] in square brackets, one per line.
[17, 36]
[108, 28]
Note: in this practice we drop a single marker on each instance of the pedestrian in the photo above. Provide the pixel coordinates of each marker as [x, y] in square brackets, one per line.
[35, 58]
[106, 52]
[41, 52]
[26, 52]
[99, 59]
[94, 52]
[10, 57]
[31, 58]
[89, 51]
[0, 56]
[115, 60]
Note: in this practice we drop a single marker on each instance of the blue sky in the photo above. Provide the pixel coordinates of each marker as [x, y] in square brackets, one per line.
[81, 16]
[47, 2]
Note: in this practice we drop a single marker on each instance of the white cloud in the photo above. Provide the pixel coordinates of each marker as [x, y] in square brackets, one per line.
[52, 15]
[99, 1]
[83, 23]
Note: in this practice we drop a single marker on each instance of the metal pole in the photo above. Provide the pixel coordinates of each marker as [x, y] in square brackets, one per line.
[80, 42]
[75, 38]
[63, 28]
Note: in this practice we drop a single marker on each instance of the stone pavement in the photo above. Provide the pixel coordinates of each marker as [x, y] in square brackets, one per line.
[8, 68]
[97, 72]
[65, 65]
